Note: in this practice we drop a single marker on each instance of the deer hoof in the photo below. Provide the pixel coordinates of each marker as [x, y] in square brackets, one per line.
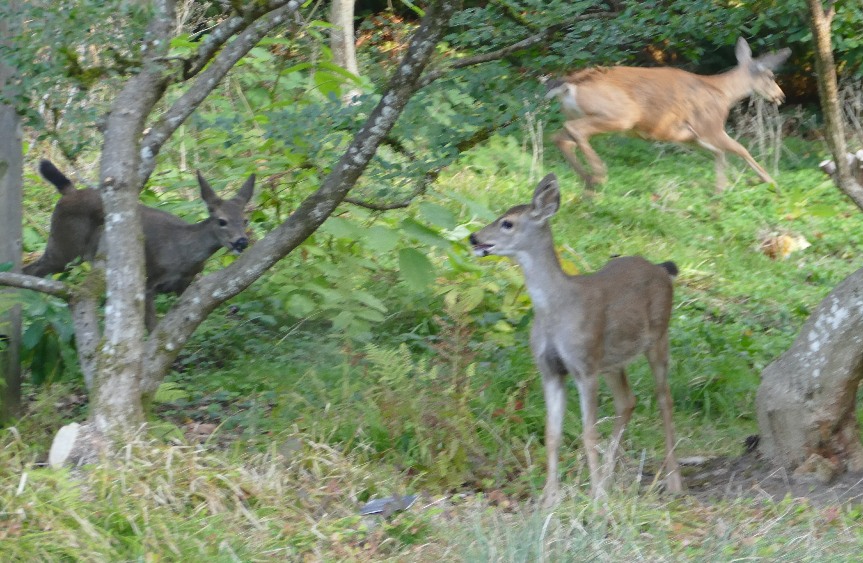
[594, 181]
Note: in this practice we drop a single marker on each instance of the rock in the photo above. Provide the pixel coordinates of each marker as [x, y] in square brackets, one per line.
[63, 444]
[76, 444]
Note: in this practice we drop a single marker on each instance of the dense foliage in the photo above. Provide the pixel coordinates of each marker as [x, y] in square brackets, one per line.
[381, 356]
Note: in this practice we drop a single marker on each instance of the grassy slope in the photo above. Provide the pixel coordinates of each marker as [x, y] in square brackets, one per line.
[314, 426]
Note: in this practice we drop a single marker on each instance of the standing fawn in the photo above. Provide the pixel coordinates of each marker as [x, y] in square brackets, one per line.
[586, 325]
[662, 104]
[175, 251]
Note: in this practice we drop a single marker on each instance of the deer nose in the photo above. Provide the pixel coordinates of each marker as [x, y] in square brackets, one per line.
[472, 238]
[240, 244]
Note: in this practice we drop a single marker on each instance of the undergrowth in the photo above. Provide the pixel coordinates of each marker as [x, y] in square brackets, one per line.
[280, 426]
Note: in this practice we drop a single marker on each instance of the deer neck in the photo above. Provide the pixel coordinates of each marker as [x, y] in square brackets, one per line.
[733, 84]
[199, 242]
[543, 276]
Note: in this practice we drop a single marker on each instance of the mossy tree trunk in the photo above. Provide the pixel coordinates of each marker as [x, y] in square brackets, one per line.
[10, 243]
[807, 399]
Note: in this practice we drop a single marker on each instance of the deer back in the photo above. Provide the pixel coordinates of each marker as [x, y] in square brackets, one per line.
[76, 225]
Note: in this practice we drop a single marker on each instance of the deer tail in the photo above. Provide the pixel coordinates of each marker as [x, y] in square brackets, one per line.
[53, 175]
[671, 268]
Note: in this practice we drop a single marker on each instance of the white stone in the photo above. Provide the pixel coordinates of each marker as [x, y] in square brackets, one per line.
[63, 444]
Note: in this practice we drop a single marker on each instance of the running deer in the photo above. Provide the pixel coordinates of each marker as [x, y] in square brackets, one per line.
[175, 251]
[584, 326]
[662, 104]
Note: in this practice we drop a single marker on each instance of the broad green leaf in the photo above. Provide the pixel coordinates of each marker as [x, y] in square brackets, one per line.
[415, 268]
[33, 334]
[380, 239]
[300, 305]
[437, 215]
[341, 228]
[423, 234]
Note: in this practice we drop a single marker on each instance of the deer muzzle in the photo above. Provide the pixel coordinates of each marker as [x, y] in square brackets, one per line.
[479, 248]
[240, 244]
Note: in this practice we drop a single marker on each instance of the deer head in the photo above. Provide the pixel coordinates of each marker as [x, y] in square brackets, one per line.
[517, 230]
[229, 214]
[761, 70]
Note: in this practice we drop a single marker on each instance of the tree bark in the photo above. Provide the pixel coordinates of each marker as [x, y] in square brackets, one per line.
[11, 163]
[806, 402]
[828, 93]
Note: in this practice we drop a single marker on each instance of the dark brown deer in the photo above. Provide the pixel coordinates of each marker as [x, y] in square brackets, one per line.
[662, 104]
[587, 325]
[175, 251]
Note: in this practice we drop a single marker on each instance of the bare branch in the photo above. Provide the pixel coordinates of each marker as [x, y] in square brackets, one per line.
[42, 285]
[168, 123]
[420, 189]
[487, 57]
[466, 144]
[222, 33]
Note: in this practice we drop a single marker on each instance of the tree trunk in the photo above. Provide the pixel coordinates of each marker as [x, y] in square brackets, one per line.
[806, 402]
[10, 245]
[343, 42]
[116, 406]
[828, 92]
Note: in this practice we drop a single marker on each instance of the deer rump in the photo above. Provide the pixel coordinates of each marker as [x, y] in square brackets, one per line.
[175, 251]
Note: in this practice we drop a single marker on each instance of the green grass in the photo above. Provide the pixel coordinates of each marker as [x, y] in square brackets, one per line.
[446, 402]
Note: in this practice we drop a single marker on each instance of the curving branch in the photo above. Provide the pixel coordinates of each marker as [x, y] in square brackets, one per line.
[419, 190]
[221, 63]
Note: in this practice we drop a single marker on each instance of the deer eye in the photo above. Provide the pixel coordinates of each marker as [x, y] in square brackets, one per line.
[223, 223]
[506, 225]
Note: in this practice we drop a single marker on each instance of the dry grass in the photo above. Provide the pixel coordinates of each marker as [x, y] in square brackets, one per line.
[299, 501]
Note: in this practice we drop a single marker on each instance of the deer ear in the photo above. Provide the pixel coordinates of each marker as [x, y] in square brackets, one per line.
[742, 51]
[774, 60]
[207, 193]
[244, 194]
[546, 198]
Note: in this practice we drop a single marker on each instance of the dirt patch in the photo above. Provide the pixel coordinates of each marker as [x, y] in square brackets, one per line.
[749, 476]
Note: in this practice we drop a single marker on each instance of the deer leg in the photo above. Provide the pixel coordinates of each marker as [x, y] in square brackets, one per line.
[727, 144]
[657, 357]
[567, 146]
[624, 404]
[554, 391]
[580, 131]
[587, 391]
